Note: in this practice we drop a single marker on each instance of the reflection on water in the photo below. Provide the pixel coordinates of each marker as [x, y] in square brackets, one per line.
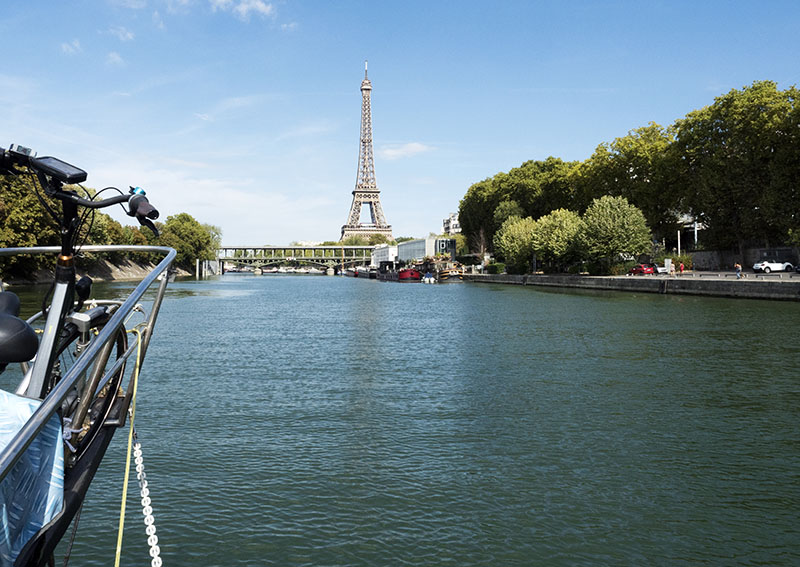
[334, 421]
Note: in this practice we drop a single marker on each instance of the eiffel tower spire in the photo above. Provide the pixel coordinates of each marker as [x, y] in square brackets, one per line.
[366, 191]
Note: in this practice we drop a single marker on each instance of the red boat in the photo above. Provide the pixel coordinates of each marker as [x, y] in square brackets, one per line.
[409, 275]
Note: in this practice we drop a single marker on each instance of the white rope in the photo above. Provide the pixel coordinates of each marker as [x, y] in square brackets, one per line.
[147, 510]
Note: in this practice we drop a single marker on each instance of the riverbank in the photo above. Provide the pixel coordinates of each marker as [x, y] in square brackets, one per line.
[100, 270]
[784, 287]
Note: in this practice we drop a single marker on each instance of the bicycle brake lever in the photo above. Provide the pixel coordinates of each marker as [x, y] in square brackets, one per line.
[144, 221]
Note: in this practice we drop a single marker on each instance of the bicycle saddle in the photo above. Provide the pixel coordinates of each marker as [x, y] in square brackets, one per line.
[18, 340]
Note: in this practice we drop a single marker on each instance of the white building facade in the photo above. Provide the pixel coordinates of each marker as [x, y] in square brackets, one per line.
[424, 247]
[450, 225]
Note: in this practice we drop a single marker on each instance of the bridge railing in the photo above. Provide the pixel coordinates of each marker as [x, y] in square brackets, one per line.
[278, 254]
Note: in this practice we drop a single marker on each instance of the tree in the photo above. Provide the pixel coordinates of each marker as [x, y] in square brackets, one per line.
[355, 241]
[504, 211]
[782, 202]
[636, 167]
[613, 228]
[725, 152]
[23, 223]
[375, 239]
[556, 237]
[189, 238]
[475, 214]
[514, 243]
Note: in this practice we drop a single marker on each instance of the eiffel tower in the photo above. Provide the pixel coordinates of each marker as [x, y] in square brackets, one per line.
[366, 191]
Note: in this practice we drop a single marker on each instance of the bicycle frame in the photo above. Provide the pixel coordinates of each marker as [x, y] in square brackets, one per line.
[52, 402]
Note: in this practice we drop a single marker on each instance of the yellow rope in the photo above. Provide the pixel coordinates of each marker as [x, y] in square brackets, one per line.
[130, 443]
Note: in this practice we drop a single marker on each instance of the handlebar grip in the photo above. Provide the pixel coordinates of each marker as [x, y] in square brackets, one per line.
[141, 207]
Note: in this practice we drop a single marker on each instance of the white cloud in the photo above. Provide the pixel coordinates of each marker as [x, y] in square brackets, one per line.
[157, 20]
[121, 33]
[289, 27]
[248, 210]
[178, 6]
[133, 4]
[115, 59]
[227, 105]
[403, 151]
[243, 8]
[309, 129]
[72, 47]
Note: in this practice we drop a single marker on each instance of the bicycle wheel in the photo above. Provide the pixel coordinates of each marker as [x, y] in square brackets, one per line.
[100, 405]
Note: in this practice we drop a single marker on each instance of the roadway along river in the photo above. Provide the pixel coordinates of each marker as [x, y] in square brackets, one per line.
[318, 421]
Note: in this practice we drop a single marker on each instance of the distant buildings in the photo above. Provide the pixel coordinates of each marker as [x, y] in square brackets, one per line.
[450, 225]
[413, 250]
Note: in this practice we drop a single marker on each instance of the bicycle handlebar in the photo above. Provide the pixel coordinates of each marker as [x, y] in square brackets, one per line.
[62, 172]
[54, 167]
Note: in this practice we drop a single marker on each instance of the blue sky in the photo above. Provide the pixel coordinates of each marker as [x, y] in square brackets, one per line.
[245, 113]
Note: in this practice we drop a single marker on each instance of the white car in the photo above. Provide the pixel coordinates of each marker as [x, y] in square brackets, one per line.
[768, 266]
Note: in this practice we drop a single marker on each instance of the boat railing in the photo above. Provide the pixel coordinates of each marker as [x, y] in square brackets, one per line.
[12, 453]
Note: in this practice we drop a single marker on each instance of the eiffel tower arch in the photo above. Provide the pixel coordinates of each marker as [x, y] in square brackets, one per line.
[366, 192]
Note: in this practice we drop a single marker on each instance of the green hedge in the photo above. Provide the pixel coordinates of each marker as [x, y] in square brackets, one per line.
[496, 268]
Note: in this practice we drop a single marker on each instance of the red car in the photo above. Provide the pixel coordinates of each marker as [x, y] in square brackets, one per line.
[642, 269]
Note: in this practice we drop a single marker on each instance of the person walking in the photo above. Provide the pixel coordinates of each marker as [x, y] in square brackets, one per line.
[738, 267]
[681, 268]
[672, 268]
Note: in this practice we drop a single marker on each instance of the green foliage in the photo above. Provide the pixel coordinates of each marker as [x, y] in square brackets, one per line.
[533, 189]
[636, 167]
[400, 239]
[355, 241]
[189, 238]
[376, 239]
[461, 243]
[737, 161]
[513, 243]
[734, 166]
[620, 268]
[614, 228]
[496, 268]
[556, 238]
[24, 223]
[504, 211]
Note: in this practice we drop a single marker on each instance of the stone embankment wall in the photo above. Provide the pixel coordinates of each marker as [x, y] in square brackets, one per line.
[777, 286]
[102, 270]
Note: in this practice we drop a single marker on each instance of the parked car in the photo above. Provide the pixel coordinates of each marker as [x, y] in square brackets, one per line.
[659, 269]
[642, 269]
[768, 266]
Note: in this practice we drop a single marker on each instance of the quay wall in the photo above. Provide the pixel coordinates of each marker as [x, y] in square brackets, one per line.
[779, 286]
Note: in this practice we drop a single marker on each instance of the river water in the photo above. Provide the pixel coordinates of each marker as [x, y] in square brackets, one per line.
[321, 421]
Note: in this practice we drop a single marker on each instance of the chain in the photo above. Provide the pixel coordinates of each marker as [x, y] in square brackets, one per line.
[147, 509]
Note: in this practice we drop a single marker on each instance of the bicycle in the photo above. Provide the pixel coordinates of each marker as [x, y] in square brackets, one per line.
[76, 364]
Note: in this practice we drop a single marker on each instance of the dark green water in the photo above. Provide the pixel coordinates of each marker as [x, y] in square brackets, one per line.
[331, 421]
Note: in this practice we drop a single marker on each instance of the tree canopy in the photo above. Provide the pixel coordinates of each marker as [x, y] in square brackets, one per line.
[732, 166]
[24, 223]
[556, 237]
[514, 243]
[613, 228]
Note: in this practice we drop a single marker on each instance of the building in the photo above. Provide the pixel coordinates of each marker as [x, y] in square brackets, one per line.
[422, 248]
[383, 254]
[450, 225]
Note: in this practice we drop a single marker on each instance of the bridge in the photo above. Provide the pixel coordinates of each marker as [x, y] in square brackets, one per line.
[334, 256]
